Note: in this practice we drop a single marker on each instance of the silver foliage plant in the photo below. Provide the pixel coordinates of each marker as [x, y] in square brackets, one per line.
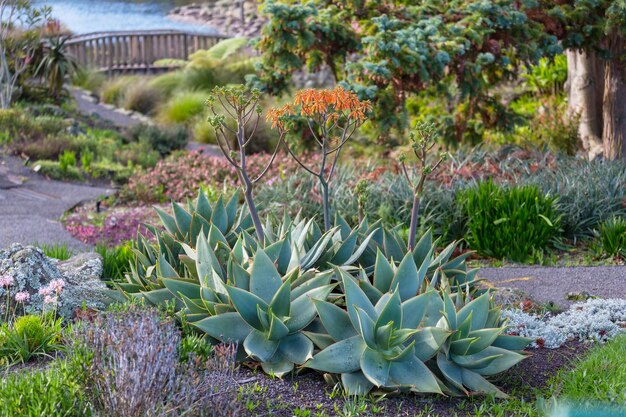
[591, 320]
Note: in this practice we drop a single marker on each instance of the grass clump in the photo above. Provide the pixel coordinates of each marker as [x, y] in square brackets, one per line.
[183, 107]
[141, 97]
[512, 222]
[612, 237]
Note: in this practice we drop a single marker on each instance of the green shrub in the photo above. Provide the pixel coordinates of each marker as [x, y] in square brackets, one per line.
[167, 83]
[30, 336]
[141, 97]
[137, 154]
[111, 170]
[194, 345]
[52, 169]
[509, 222]
[67, 160]
[53, 392]
[612, 236]
[115, 261]
[202, 132]
[163, 139]
[183, 107]
[86, 158]
[48, 147]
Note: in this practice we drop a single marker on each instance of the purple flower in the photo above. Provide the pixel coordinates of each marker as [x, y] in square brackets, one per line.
[22, 297]
[6, 281]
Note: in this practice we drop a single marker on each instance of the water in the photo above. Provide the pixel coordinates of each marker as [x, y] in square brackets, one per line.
[85, 16]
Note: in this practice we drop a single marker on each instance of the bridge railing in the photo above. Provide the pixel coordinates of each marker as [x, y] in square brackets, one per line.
[136, 50]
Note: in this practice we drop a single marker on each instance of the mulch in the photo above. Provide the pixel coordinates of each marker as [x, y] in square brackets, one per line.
[308, 390]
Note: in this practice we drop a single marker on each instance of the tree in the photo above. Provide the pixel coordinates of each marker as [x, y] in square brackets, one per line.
[594, 32]
[56, 64]
[19, 41]
[388, 50]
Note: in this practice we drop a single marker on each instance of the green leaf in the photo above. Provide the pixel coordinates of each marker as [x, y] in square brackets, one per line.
[258, 347]
[219, 217]
[508, 342]
[169, 222]
[414, 374]
[246, 304]
[341, 357]
[428, 342]
[414, 309]
[303, 310]
[375, 367]
[356, 383]
[187, 288]
[227, 327]
[296, 348]
[277, 366]
[383, 273]
[265, 280]
[478, 308]
[355, 297]
[366, 328]
[392, 312]
[183, 219]
[406, 280]
[277, 329]
[452, 372]
[335, 320]
[281, 303]
[203, 207]
[477, 383]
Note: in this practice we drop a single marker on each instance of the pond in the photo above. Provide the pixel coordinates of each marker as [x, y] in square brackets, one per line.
[84, 16]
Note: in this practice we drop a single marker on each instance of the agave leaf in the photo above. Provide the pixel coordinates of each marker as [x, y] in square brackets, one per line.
[340, 357]
[160, 297]
[281, 302]
[309, 259]
[169, 222]
[231, 210]
[355, 383]
[183, 220]
[383, 336]
[320, 340]
[424, 248]
[452, 372]
[375, 367]
[246, 304]
[450, 311]
[370, 291]
[219, 217]
[216, 236]
[184, 287]
[359, 251]
[471, 362]
[486, 337]
[414, 309]
[392, 312]
[505, 360]
[296, 348]
[302, 308]
[165, 270]
[277, 329]
[477, 383]
[355, 297]
[392, 245]
[227, 327]
[508, 342]
[345, 250]
[406, 279]
[240, 277]
[335, 319]
[264, 278]
[203, 207]
[318, 280]
[383, 273]
[462, 346]
[478, 308]
[428, 342]
[277, 366]
[259, 347]
[414, 374]
[366, 328]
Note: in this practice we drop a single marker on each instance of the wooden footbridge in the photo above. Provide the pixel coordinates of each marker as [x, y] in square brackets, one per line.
[136, 51]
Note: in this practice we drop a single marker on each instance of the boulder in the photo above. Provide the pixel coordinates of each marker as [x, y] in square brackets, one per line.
[32, 271]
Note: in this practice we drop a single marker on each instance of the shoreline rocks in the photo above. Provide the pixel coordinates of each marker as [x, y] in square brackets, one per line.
[225, 16]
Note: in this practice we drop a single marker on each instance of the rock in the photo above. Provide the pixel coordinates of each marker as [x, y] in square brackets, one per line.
[31, 271]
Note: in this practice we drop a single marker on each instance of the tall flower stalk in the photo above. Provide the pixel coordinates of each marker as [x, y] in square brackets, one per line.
[332, 117]
[423, 139]
[241, 106]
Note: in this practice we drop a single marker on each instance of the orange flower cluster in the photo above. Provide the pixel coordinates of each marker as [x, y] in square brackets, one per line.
[334, 103]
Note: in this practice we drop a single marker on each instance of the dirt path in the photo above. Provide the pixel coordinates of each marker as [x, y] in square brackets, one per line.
[31, 205]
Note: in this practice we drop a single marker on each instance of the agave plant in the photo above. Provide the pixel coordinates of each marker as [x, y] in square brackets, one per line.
[270, 313]
[378, 345]
[477, 346]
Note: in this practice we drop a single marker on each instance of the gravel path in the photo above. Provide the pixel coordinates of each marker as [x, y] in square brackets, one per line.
[31, 205]
[553, 284]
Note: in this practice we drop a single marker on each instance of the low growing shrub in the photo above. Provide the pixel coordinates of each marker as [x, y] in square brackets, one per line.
[28, 337]
[162, 139]
[55, 391]
[183, 107]
[115, 260]
[141, 97]
[134, 369]
[509, 222]
[53, 170]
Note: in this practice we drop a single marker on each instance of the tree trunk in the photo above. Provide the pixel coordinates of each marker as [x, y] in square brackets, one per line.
[585, 84]
[614, 102]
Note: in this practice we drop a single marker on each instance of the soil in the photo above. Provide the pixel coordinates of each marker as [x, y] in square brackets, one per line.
[276, 397]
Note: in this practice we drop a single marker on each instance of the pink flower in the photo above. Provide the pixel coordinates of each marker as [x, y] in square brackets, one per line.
[22, 297]
[57, 285]
[48, 299]
[45, 291]
[6, 281]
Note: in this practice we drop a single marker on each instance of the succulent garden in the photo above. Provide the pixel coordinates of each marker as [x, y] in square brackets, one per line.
[357, 208]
